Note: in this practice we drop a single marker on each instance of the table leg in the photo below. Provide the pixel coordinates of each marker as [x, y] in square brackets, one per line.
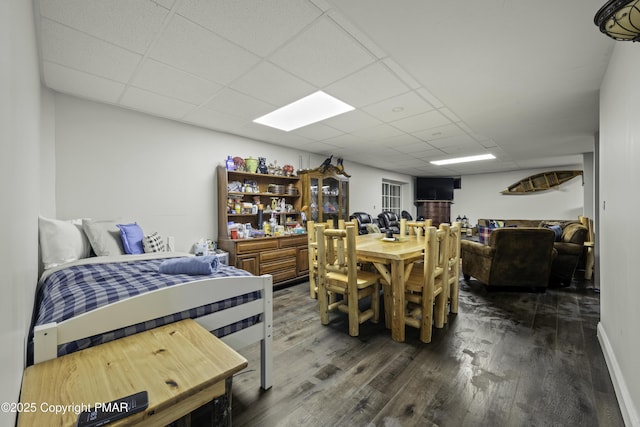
[397, 300]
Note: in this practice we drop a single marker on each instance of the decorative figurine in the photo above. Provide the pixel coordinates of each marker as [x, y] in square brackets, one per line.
[287, 170]
[262, 165]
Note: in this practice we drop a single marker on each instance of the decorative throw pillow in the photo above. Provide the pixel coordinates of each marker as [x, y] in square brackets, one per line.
[372, 228]
[104, 237]
[62, 241]
[131, 235]
[556, 229]
[153, 243]
[483, 234]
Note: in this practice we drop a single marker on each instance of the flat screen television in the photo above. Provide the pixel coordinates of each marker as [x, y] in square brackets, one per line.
[428, 188]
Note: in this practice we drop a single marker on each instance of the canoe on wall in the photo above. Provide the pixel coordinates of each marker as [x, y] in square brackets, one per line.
[541, 182]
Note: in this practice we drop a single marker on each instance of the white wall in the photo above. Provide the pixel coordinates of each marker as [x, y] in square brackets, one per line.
[619, 202]
[20, 120]
[117, 163]
[480, 197]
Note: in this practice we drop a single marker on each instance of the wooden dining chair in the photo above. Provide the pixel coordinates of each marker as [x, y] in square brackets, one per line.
[312, 247]
[415, 228]
[425, 287]
[338, 274]
[455, 235]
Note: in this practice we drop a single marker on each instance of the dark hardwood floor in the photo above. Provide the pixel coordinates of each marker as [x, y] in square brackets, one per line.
[508, 358]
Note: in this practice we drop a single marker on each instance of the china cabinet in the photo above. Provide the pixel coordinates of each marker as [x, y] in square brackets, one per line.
[325, 194]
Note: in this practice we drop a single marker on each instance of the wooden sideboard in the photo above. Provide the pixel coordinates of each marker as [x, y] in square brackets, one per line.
[286, 258]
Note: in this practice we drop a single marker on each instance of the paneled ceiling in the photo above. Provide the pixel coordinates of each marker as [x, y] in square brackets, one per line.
[429, 79]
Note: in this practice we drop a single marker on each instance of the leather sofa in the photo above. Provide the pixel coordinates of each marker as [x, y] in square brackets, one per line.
[569, 244]
[515, 256]
[362, 219]
[389, 221]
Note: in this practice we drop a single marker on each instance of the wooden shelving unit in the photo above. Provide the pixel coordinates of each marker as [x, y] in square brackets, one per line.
[285, 257]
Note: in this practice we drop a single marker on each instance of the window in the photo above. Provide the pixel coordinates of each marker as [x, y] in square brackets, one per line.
[391, 196]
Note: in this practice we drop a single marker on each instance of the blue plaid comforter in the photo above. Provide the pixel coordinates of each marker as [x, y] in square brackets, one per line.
[81, 288]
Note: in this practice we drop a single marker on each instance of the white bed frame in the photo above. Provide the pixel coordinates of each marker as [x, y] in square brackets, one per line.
[169, 300]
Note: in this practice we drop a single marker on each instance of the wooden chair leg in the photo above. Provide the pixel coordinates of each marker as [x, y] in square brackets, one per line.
[354, 312]
[375, 303]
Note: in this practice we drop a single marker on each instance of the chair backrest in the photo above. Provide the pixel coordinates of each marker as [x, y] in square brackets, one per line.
[311, 232]
[415, 227]
[431, 255]
[406, 215]
[389, 221]
[455, 236]
[362, 219]
[521, 255]
[340, 247]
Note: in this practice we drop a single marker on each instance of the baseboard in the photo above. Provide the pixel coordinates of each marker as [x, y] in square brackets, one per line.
[627, 408]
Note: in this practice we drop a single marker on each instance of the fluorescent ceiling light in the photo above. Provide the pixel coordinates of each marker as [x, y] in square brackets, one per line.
[310, 109]
[463, 159]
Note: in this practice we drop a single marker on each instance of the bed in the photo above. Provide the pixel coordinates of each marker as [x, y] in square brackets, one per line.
[97, 299]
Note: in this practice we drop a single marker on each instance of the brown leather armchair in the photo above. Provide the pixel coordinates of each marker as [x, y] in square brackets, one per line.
[570, 248]
[513, 257]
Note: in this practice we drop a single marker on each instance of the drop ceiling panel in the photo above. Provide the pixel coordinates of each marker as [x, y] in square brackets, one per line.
[81, 84]
[439, 132]
[376, 133]
[352, 121]
[191, 48]
[273, 85]
[229, 101]
[160, 78]
[398, 107]
[258, 26]
[356, 88]
[77, 50]
[322, 54]
[145, 101]
[413, 147]
[421, 122]
[214, 120]
[317, 132]
[129, 24]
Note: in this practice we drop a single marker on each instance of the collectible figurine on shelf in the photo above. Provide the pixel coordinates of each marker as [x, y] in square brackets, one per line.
[262, 165]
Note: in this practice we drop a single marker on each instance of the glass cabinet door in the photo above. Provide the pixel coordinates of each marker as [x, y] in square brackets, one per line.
[331, 199]
[314, 202]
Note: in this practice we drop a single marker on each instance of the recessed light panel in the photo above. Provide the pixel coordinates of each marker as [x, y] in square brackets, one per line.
[463, 159]
[310, 109]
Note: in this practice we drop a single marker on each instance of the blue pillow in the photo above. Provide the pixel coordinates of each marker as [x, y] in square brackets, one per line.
[556, 229]
[131, 235]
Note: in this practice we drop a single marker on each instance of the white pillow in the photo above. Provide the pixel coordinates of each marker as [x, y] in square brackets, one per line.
[153, 243]
[104, 236]
[62, 241]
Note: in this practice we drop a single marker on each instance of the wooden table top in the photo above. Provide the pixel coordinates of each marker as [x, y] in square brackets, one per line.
[180, 365]
[372, 245]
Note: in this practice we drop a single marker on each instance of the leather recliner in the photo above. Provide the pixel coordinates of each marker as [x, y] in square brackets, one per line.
[388, 221]
[362, 219]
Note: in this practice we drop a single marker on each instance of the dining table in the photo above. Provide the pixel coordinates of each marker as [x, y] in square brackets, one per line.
[393, 258]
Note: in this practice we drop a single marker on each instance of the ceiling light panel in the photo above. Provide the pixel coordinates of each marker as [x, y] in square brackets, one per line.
[311, 109]
[463, 159]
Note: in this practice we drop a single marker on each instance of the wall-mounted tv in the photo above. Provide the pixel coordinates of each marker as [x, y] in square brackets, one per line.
[428, 188]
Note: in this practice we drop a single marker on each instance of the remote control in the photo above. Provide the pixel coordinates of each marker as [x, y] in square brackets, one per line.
[104, 413]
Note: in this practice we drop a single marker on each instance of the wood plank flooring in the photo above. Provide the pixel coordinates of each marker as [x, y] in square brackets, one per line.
[509, 358]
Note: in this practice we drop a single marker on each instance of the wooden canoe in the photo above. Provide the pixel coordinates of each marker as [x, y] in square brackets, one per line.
[541, 182]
